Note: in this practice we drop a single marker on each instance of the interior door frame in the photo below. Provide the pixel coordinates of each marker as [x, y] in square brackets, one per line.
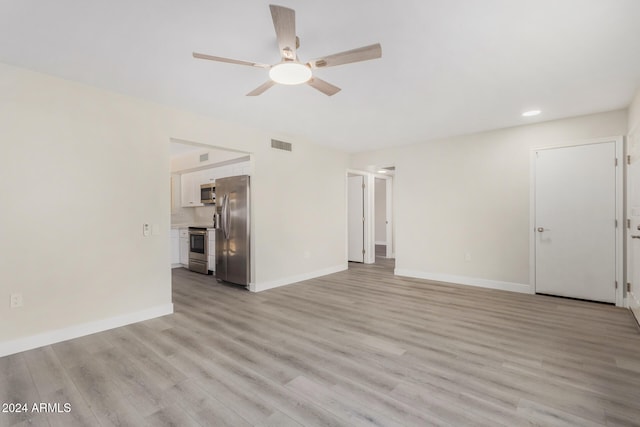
[619, 216]
[388, 180]
[369, 218]
[355, 218]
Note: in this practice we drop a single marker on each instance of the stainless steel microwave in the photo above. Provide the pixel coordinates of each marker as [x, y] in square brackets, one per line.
[208, 194]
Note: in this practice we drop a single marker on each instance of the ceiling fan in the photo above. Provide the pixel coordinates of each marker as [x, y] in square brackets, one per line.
[290, 70]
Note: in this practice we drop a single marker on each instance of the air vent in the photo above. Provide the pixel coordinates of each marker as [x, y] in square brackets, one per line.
[281, 145]
[204, 157]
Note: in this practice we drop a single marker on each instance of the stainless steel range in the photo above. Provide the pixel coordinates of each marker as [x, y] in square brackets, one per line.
[198, 250]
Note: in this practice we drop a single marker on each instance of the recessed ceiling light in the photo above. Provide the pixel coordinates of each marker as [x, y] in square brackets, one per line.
[531, 113]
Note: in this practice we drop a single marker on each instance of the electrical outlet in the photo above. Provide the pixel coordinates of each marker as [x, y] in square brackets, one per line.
[16, 300]
[146, 230]
[467, 256]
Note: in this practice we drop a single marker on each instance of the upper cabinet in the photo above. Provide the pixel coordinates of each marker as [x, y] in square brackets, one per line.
[190, 182]
[209, 175]
[190, 189]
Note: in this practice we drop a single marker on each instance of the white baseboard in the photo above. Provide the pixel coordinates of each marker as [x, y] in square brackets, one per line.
[464, 280]
[259, 287]
[64, 334]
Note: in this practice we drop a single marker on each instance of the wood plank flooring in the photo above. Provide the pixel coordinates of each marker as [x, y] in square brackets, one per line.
[356, 348]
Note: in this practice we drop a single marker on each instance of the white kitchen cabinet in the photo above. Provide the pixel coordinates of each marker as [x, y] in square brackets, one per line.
[176, 203]
[190, 182]
[184, 247]
[190, 189]
[208, 176]
[175, 247]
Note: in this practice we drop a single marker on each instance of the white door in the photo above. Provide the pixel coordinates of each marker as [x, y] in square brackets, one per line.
[355, 213]
[633, 232]
[389, 206]
[380, 214]
[575, 208]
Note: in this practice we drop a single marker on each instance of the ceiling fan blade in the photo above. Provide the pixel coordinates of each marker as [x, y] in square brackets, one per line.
[364, 53]
[324, 87]
[229, 60]
[262, 88]
[284, 22]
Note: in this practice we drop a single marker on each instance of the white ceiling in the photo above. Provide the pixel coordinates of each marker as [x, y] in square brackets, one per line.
[448, 67]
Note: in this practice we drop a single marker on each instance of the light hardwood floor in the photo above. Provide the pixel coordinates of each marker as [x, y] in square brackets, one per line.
[361, 347]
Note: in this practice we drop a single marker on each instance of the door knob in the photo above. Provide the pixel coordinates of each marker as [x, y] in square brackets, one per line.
[540, 229]
[635, 237]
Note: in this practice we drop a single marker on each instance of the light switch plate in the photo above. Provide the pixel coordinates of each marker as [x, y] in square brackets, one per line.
[146, 230]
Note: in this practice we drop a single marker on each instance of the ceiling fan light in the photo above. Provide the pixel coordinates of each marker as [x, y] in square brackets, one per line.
[290, 73]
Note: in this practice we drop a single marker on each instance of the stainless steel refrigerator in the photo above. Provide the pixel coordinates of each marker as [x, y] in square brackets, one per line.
[233, 260]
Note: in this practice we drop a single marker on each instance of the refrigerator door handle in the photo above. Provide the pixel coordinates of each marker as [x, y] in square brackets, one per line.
[228, 221]
[222, 214]
[225, 216]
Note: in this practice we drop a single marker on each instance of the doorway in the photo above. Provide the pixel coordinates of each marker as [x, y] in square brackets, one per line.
[363, 242]
[576, 208]
[380, 201]
[383, 215]
[194, 168]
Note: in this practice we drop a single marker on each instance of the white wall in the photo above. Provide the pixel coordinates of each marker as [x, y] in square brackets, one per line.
[634, 116]
[381, 210]
[82, 169]
[470, 194]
